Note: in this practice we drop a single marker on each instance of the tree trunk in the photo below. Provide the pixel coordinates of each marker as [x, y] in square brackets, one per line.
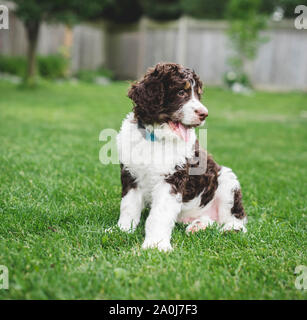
[32, 29]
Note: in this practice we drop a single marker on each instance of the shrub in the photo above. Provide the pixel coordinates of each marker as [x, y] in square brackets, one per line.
[245, 24]
[231, 77]
[53, 66]
[13, 65]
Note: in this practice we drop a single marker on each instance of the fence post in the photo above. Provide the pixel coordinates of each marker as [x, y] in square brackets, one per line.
[182, 40]
[68, 43]
[142, 46]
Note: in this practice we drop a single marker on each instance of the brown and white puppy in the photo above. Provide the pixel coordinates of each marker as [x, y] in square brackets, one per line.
[162, 165]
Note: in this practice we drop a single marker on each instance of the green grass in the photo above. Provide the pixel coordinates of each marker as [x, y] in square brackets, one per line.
[56, 198]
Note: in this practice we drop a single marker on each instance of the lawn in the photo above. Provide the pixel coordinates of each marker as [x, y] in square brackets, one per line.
[56, 199]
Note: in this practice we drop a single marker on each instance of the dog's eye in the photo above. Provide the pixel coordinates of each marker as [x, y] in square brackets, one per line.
[181, 93]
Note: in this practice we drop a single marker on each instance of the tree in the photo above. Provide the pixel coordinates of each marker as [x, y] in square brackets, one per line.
[204, 9]
[244, 33]
[162, 9]
[268, 6]
[122, 11]
[34, 12]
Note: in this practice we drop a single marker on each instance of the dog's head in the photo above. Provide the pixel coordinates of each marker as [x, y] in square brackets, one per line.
[169, 93]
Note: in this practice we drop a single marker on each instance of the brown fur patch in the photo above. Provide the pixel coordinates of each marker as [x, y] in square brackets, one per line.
[156, 98]
[190, 186]
[237, 210]
[128, 182]
[187, 85]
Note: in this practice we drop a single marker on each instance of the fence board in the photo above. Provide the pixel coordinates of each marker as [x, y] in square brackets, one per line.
[281, 63]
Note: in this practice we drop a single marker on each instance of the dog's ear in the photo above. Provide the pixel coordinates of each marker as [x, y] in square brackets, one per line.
[148, 97]
[199, 84]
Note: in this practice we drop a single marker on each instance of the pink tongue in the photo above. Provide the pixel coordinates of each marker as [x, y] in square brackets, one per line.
[180, 130]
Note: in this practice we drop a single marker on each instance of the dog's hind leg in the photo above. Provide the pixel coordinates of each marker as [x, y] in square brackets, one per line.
[231, 214]
[199, 224]
[131, 207]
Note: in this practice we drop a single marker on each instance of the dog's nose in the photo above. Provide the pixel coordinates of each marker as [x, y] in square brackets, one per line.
[201, 114]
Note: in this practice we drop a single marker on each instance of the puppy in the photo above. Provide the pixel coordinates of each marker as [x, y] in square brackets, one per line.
[163, 166]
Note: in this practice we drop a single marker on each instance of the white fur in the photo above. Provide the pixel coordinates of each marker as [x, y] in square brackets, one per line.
[189, 108]
[219, 208]
[162, 217]
[227, 183]
[131, 207]
[149, 162]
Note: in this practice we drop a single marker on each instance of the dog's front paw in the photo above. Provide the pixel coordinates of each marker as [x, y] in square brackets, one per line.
[160, 245]
[126, 227]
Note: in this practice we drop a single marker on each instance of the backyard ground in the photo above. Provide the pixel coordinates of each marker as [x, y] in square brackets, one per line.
[56, 199]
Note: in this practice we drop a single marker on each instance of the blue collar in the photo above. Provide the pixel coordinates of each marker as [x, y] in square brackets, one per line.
[147, 134]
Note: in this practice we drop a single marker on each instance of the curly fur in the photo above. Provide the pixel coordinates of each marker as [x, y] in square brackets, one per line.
[154, 96]
[191, 186]
[168, 98]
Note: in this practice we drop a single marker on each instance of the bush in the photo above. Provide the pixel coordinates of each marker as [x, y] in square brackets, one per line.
[13, 65]
[231, 77]
[245, 24]
[52, 66]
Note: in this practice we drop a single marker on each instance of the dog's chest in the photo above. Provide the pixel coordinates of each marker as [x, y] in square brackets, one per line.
[151, 161]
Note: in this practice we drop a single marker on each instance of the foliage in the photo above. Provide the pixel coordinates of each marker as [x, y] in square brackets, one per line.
[231, 77]
[244, 33]
[122, 11]
[13, 65]
[268, 6]
[125, 11]
[56, 200]
[51, 66]
[162, 9]
[68, 11]
[34, 12]
[204, 9]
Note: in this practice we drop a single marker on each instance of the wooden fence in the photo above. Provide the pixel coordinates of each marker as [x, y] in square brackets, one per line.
[87, 42]
[281, 63]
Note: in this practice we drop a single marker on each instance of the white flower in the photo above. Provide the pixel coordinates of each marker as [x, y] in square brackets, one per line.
[278, 14]
[231, 75]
